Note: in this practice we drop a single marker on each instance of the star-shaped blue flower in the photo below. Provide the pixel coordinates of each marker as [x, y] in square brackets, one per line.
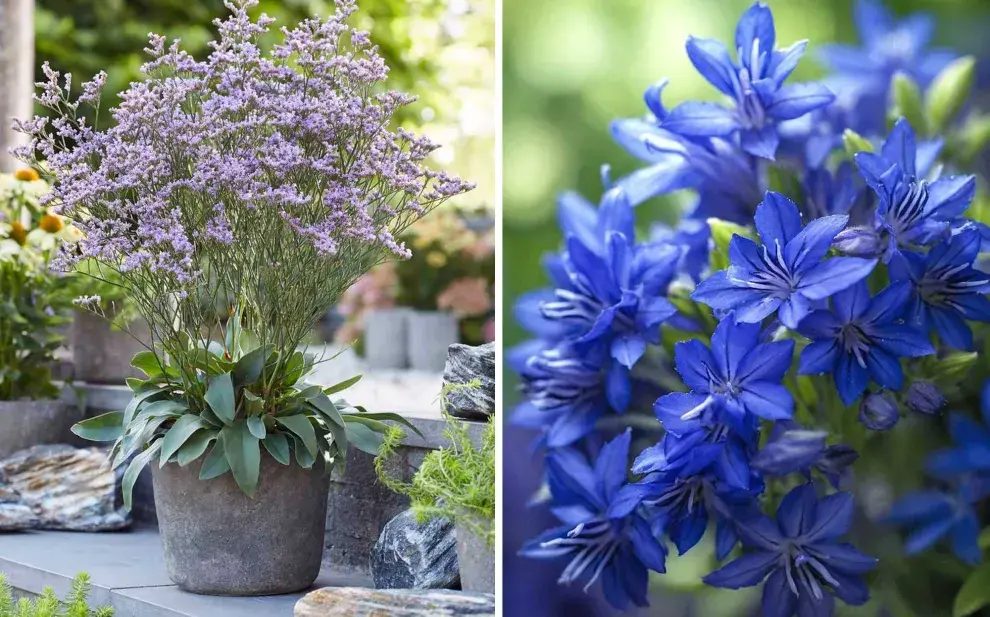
[911, 212]
[935, 514]
[755, 84]
[860, 339]
[737, 374]
[971, 452]
[618, 550]
[946, 290]
[786, 274]
[799, 556]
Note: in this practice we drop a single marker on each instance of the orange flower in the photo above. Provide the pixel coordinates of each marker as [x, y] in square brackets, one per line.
[17, 233]
[51, 223]
[26, 175]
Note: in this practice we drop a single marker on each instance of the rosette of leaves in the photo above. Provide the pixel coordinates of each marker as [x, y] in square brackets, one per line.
[219, 405]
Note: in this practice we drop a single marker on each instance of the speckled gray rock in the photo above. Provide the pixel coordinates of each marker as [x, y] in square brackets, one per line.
[465, 364]
[475, 556]
[64, 487]
[412, 555]
[358, 602]
[218, 541]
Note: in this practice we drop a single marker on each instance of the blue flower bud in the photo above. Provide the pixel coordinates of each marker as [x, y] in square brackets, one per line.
[878, 411]
[925, 397]
[858, 242]
[790, 451]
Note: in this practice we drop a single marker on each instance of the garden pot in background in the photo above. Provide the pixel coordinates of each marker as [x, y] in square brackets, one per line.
[219, 541]
[475, 557]
[385, 338]
[101, 354]
[33, 423]
[430, 334]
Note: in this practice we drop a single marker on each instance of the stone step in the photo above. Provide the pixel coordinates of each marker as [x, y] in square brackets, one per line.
[128, 573]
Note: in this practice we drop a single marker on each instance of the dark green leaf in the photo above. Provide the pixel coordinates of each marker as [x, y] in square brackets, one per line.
[334, 421]
[243, 452]
[167, 408]
[347, 383]
[220, 397]
[137, 399]
[300, 426]
[303, 457]
[106, 427]
[277, 445]
[389, 417]
[134, 470]
[195, 447]
[216, 462]
[974, 593]
[151, 365]
[364, 438]
[248, 368]
[177, 434]
[256, 425]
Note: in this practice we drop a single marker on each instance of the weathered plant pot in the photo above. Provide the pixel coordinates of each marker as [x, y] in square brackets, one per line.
[430, 334]
[475, 557]
[101, 354]
[385, 339]
[218, 541]
[33, 423]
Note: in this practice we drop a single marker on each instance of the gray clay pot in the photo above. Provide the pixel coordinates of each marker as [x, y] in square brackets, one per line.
[218, 541]
[33, 423]
[101, 354]
[474, 555]
[430, 334]
[385, 338]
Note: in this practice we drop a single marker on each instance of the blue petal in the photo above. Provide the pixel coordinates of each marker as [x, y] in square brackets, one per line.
[761, 142]
[974, 307]
[850, 589]
[612, 465]
[628, 349]
[819, 357]
[646, 546]
[919, 506]
[844, 558]
[784, 62]
[885, 369]
[796, 512]
[985, 402]
[759, 532]
[777, 219]
[654, 311]
[745, 571]
[822, 324]
[616, 215]
[778, 599]
[711, 58]
[731, 342]
[577, 217]
[833, 517]
[718, 292]
[794, 310]
[834, 275]
[660, 178]
[795, 450]
[959, 461]
[755, 32]
[630, 133]
[873, 168]
[766, 362]
[811, 606]
[732, 466]
[687, 532]
[873, 19]
[745, 258]
[629, 498]
[963, 248]
[701, 119]
[850, 379]
[758, 309]
[725, 539]
[768, 400]
[964, 540]
[844, 58]
[950, 196]
[901, 340]
[535, 548]
[692, 359]
[813, 243]
[528, 315]
[572, 480]
[900, 147]
[927, 535]
[618, 387]
[889, 304]
[653, 97]
[951, 328]
[670, 407]
[794, 100]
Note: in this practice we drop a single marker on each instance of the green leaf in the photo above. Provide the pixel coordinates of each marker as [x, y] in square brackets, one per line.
[134, 470]
[277, 445]
[309, 392]
[248, 368]
[220, 397]
[908, 103]
[203, 360]
[151, 365]
[195, 447]
[974, 593]
[162, 409]
[391, 417]
[135, 384]
[722, 232]
[254, 405]
[335, 422]
[243, 452]
[105, 427]
[949, 91]
[347, 383]
[364, 438]
[303, 457]
[177, 434]
[247, 342]
[137, 399]
[855, 143]
[256, 425]
[984, 539]
[300, 426]
[233, 333]
[216, 463]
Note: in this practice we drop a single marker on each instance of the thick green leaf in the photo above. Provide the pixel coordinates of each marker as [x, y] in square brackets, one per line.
[195, 446]
[148, 363]
[105, 427]
[233, 333]
[974, 593]
[385, 416]
[166, 408]
[309, 392]
[134, 470]
[216, 463]
[137, 399]
[248, 369]
[347, 383]
[220, 397]
[335, 422]
[243, 452]
[303, 457]
[256, 425]
[375, 425]
[277, 445]
[247, 342]
[177, 434]
[203, 360]
[135, 384]
[137, 435]
[300, 426]
[364, 438]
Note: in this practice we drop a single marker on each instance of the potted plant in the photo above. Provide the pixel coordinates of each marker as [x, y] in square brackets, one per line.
[76, 603]
[34, 304]
[268, 180]
[457, 482]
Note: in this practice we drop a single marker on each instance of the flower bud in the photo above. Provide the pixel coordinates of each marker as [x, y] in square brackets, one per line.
[908, 102]
[858, 242]
[878, 411]
[925, 397]
[949, 91]
[854, 143]
[790, 451]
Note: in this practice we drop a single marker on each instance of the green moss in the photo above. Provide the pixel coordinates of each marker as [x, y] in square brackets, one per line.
[457, 481]
[48, 604]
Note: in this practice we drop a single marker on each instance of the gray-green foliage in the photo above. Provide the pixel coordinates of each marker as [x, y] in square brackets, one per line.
[47, 604]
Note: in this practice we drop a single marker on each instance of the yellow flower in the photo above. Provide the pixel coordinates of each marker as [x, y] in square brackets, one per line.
[436, 259]
[17, 233]
[51, 223]
[27, 175]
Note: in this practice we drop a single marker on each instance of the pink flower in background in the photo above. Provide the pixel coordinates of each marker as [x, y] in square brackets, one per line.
[488, 330]
[466, 297]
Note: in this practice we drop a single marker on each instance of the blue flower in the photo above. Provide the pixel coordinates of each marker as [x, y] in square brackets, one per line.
[800, 557]
[935, 514]
[794, 449]
[737, 374]
[827, 193]
[889, 46]
[911, 212]
[787, 273]
[945, 288]
[755, 84]
[971, 452]
[878, 411]
[860, 339]
[618, 550]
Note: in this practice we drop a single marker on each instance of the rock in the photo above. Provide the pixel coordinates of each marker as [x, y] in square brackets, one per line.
[358, 602]
[464, 365]
[65, 488]
[412, 555]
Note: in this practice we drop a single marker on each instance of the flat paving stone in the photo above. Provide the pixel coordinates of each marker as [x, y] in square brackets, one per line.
[128, 573]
